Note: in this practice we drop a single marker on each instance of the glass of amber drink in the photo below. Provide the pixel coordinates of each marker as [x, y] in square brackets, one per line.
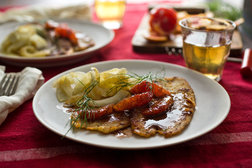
[206, 44]
[110, 12]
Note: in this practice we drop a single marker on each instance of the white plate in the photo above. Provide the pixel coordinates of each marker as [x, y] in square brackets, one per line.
[213, 104]
[98, 33]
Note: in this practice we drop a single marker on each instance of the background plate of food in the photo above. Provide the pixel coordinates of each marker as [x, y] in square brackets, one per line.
[198, 104]
[155, 35]
[51, 42]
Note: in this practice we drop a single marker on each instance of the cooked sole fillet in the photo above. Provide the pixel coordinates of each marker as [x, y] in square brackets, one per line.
[168, 124]
[175, 120]
[108, 124]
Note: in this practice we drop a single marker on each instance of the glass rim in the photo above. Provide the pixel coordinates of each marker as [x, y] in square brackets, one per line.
[233, 25]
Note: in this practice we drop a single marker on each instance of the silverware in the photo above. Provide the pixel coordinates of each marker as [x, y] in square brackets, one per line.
[179, 51]
[8, 85]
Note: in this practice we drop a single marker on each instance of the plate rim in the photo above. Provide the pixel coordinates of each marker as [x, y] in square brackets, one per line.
[196, 135]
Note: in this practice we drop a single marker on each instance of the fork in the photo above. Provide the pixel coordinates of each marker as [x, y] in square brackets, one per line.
[8, 85]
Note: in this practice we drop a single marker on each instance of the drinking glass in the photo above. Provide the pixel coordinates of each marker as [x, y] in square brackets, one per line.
[206, 44]
[110, 12]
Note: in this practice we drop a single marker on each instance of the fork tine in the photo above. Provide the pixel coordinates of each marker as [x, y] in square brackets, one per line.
[14, 86]
[1, 85]
[9, 90]
[2, 81]
[5, 84]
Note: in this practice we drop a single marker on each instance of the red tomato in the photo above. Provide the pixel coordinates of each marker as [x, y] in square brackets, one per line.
[64, 31]
[163, 20]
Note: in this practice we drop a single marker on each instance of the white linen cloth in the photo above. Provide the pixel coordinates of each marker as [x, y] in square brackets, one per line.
[29, 82]
[32, 13]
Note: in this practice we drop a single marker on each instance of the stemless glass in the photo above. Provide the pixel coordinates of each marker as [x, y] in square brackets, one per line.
[110, 12]
[206, 44]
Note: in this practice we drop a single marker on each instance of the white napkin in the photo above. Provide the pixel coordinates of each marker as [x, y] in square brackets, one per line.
[29, 82]
[80, 11]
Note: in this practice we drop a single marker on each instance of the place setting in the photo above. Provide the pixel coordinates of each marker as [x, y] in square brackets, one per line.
[112, 78]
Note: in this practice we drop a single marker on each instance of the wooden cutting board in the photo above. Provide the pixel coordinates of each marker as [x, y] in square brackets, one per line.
[141, 45]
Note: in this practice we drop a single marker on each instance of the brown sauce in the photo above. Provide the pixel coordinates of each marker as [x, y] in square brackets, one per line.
[124, 133]
[176, 113]
[181, 107]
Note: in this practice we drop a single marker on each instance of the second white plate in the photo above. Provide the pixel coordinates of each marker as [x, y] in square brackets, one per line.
[98, 33]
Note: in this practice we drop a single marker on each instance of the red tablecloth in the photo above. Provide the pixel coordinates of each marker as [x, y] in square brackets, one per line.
[24, 142]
